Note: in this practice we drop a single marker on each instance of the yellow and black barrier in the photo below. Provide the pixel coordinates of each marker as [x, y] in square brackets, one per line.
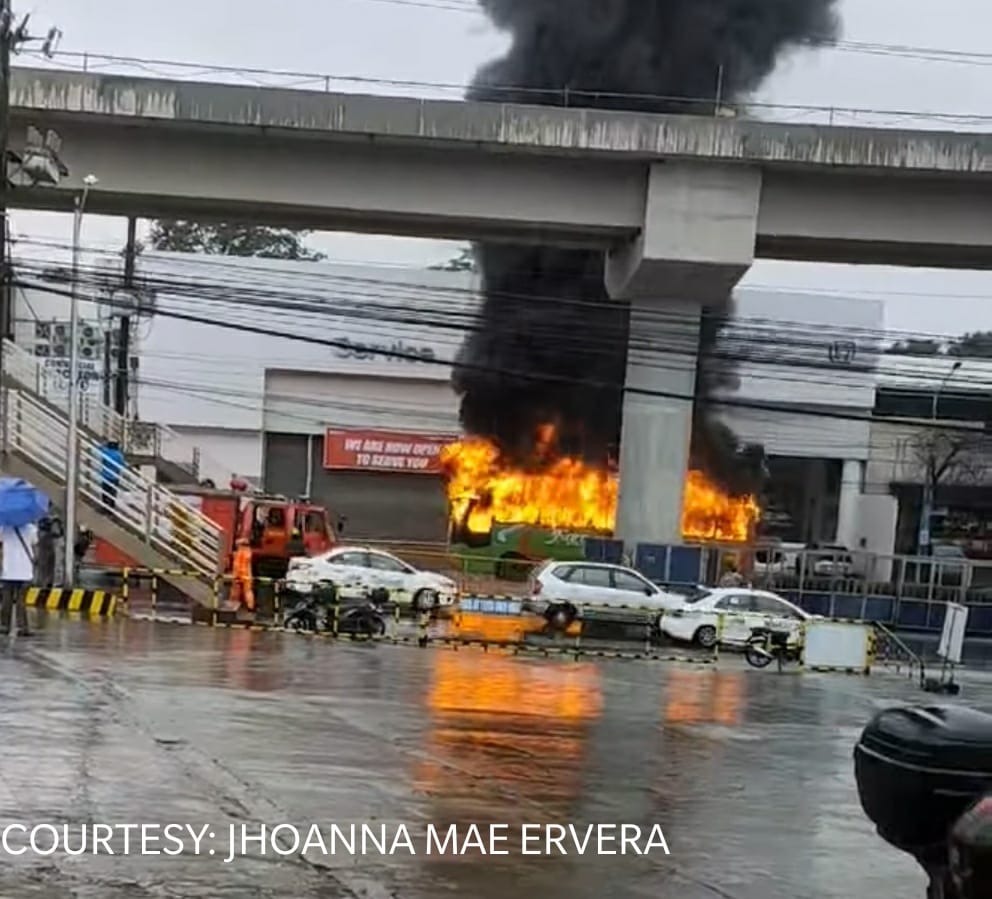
[426, 641]
[571, 650]
[495, 605]
[96, 603]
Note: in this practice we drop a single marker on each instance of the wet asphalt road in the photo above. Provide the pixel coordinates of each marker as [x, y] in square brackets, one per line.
[749, 773]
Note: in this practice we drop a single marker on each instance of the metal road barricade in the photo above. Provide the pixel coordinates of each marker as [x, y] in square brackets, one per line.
[144, 592]
[892, 651]
[515, 632]
[901, 592]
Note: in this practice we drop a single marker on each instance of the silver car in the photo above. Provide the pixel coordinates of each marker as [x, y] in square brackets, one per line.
[594, 585]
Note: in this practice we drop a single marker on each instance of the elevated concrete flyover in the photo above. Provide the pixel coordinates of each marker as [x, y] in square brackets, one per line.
[470, 170]
[682, 205]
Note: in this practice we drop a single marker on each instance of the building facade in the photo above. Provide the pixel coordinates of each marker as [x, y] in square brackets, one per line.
[215, 364]
[931, 432]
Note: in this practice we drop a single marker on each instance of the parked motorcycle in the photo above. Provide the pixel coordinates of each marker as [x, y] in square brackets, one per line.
[323, 610]
[767, 644]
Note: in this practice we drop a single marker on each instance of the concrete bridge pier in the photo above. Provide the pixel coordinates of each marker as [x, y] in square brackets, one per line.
[698, 240]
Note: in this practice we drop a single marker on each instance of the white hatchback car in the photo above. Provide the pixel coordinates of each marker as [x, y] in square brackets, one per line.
[697, 618]
[354, 570]
[592, 584]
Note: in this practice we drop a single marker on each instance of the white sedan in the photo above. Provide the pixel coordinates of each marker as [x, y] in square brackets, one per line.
[584, 585]
[697, 619]
[355, 570]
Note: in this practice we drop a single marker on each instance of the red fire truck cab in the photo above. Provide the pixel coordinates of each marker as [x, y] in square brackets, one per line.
[267, 522]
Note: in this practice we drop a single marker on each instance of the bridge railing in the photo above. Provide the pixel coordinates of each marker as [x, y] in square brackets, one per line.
[145, 509]
[798, 113]
[136, 438]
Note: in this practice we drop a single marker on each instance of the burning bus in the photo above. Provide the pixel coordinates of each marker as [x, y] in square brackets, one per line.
[517, 515]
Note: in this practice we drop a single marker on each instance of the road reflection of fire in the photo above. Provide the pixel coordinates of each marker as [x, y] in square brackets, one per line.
[502, 628]
[521, 724]
[712, 697]
[251, 662]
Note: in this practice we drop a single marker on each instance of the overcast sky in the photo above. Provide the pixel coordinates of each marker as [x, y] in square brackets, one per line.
[445, 41]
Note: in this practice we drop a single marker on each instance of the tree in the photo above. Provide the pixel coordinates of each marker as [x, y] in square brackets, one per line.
[956, 456]
[463, 262]
[977, 344]
[915, 347]
[948, 456]
[229, 239]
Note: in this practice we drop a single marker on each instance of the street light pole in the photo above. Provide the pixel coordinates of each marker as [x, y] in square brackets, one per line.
[929, 487]
[72, 450]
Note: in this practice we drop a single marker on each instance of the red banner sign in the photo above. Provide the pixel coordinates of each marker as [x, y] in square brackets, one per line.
[383, 451]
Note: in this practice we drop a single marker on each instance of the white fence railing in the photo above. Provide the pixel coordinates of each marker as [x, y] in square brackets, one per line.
[150, 512]
[51, 382]
[156, 441]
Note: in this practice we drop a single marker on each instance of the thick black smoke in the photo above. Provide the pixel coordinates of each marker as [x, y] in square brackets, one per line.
[546, 311]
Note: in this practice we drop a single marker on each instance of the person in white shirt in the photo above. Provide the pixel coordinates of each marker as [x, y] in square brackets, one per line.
[17, 572]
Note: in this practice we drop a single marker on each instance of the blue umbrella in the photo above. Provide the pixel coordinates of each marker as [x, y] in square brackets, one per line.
[21, 503]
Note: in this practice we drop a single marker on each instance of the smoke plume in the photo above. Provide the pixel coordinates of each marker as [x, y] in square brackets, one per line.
[546, 312]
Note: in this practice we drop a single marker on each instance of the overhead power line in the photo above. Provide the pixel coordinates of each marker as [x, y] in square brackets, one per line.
[319, 283]
[518, 375]
[774, 350]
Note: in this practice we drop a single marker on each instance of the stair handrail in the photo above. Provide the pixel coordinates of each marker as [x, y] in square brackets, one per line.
[134, 436]
[52, 385]
[912, 659]
[141, 506]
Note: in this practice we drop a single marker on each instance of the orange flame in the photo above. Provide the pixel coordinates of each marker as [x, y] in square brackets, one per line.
[567, 493]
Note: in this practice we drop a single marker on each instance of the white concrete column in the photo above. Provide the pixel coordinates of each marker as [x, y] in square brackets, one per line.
[697, 241]
[849, 505]
[657, 424]
[699, 234]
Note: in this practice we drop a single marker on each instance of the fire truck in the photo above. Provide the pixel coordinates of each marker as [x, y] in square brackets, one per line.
[267, 522]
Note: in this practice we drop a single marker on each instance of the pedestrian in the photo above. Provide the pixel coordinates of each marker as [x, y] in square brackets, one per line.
[80, 547]
[731, 576]
[242, 590]
[17, 573]
[45, 565]
[113, 463]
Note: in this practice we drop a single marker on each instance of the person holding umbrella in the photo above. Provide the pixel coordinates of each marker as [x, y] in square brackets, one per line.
[21, 506]
[19, 544]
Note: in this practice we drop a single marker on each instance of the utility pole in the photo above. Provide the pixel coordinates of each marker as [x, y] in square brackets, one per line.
[6, 316]
[11, 40]
[72, 437]
[930, 475]
[124, 338]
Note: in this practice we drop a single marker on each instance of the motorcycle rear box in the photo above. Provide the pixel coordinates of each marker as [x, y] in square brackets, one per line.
[919, 767]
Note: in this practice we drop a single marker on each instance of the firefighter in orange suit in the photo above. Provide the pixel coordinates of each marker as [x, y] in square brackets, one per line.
[241, 587]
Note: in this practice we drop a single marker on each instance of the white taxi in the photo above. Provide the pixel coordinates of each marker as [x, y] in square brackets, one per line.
[697, 619]
[355, 570]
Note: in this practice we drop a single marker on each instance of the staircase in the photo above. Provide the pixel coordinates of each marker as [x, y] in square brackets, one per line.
[176, 458]
[145, 520]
